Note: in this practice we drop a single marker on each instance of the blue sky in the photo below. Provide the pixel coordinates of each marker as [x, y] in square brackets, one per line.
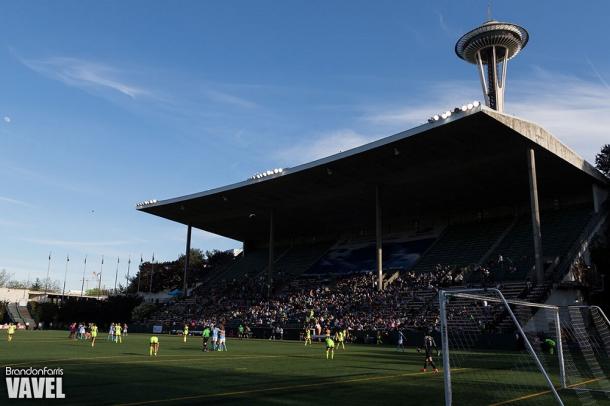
[105, 104]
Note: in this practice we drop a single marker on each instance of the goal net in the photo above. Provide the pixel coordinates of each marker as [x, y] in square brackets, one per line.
[497, 351]
[586, 349]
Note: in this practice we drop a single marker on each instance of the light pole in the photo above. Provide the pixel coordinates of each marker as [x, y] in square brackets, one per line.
[46, 282]
[128, 266]
[140, 273]
[63, 291]
[152, 273]
[116, 275]
[99, 285]
[82, 287]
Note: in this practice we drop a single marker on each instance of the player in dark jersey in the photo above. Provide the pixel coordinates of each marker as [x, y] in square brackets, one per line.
[429, 346]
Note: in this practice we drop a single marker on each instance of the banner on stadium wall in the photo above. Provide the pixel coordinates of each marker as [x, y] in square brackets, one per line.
[157, 329]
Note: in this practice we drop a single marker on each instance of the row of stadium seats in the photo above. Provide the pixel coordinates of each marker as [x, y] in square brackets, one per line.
[559, 229]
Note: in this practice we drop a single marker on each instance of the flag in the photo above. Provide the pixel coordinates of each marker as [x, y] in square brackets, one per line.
[118, 260]
[141, 259]
[49, 256]
[85, 259]
[102, 260]
[153, 258]
[67, 258]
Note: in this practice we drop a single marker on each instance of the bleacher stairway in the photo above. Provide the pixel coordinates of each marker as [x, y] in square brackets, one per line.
[20, 314]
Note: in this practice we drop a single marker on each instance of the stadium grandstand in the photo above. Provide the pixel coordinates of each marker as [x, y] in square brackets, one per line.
[477, 197]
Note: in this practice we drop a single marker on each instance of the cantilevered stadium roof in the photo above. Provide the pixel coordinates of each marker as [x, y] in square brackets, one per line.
[473, 159]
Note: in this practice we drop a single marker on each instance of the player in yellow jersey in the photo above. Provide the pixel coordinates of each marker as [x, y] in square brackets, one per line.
[307, 336]
[154, 346]
[330, 347]
[118, 333]
[340, 339]
[185, 332]
[93, 334]
[11, 331]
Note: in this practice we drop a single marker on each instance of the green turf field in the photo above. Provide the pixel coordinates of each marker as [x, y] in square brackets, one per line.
[251, 373]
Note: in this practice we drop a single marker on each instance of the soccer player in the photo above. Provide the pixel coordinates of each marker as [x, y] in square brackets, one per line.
[93, 334]
[110, 333]
[550, 344]
[206, 337]
[379, 340]
[401, 341]
[429, 345]
[117, 333]
[222, 344]
[307, 336]
[214, 338]
[330, 347]
[185, 332]
[11, 331]
[240, 329]
[340, 339]
[154, 346]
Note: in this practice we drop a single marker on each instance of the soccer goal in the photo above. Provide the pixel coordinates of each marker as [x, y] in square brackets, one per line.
[498, 351]
[586, 351]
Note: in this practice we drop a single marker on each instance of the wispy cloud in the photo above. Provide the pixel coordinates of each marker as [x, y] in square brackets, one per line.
[577, 111]
[439, 97]
[597, 74]
[443, 24]
[86, 75]
[323, 145]
[6, 119]
[15, 201]
[223, 97]
[48, 179]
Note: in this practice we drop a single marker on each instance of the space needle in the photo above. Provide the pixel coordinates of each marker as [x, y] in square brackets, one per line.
[489, 47]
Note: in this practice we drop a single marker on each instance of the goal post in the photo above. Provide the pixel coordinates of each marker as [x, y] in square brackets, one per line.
[502, 350]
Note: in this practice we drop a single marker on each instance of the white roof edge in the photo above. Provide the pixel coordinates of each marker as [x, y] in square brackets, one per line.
[528, 129]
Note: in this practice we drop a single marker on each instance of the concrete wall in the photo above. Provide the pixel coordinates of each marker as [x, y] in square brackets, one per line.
[14, 295]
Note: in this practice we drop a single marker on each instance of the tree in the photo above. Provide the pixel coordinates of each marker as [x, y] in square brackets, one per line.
[13, 284]
[37, 285]
[602, 160]
[98, 292]
[5, 277]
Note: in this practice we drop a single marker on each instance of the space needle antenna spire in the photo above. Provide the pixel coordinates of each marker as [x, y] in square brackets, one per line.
[489, 47]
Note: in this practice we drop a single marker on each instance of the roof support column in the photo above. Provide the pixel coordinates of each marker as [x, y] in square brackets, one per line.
[378, 239]
[599, 197]
[535, 213]
[187, 260]
[271, 252]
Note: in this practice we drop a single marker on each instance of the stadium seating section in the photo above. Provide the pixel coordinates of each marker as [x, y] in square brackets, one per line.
[335, 279]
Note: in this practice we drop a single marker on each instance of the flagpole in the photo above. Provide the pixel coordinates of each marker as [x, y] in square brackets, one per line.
[82, 287]
[99, 285]
[46, 282]
[152, 272]
[140, 273]
[116, 275]
[128, 266]
[63, 291]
